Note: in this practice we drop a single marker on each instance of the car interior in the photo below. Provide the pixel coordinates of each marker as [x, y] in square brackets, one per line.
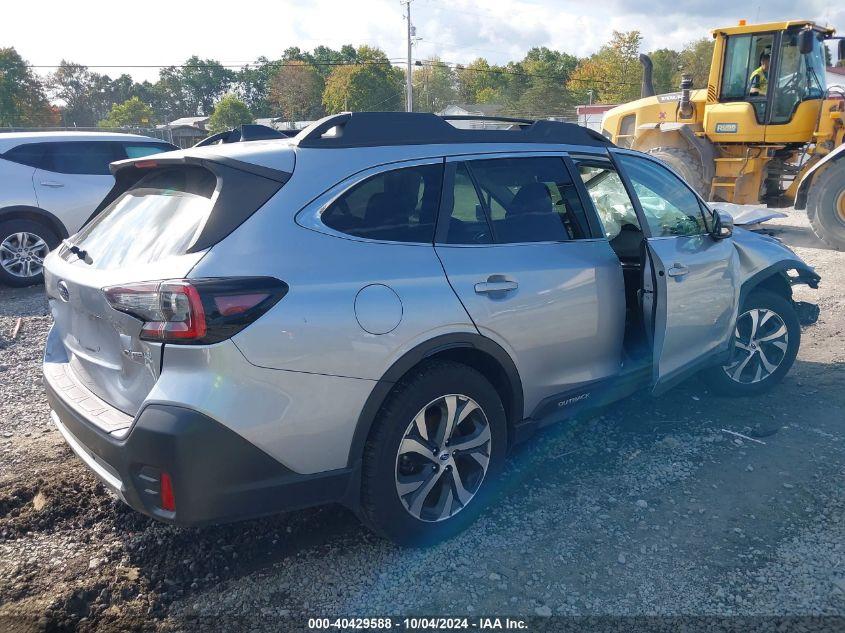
[620, 222]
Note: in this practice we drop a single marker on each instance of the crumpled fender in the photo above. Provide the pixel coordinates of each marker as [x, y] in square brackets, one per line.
[762, 258]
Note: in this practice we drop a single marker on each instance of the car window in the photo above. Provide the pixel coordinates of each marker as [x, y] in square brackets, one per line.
[82, 157]
[398, 206]
[669, 205]
[529, 199]
[467, 221]
[609, 196]
[139, 150]
[31, 154]
[159, 216]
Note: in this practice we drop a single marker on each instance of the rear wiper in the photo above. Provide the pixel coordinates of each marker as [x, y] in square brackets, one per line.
[79, 252]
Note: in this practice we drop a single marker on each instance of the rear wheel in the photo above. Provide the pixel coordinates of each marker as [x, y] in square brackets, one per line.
[23, 246]
[826, 205]
[687, 164]
[438, 443]
[767, 337]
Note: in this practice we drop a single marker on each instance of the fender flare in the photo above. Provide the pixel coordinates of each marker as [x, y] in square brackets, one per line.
[803, 192]
[25, 211]
[778, 271]
[428, 349]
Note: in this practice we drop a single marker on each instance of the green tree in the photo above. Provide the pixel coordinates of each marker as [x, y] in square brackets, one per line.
[372, 84]
[230, 112]
[613, 73]
[204, 81]
[666, 63]
[546, 73]
[434, 86]
[81, 93]
[193, 88]
[296, 91]
[695, 60]
[22, 98]
[477, 78]
[131, 113]
[253, 85]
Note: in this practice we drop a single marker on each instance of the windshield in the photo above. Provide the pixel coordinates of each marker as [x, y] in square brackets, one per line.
[800, 77]
[160, 216]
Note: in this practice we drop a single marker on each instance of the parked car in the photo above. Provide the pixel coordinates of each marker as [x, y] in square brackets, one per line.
[50, 184]
[375, 312]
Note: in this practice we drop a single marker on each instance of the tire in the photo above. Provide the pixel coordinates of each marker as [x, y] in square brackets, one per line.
[687, 164]
[39, 240]
[826, 205]
[778, 352]
[431, 511]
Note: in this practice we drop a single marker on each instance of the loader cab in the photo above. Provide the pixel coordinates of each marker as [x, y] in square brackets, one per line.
[771, 83]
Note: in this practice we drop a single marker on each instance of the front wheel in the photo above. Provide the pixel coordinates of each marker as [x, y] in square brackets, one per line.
[23, 246]
[435, 449]
[826, 205]
[766, 341]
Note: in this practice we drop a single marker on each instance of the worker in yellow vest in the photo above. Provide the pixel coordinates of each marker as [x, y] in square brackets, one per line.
[759, 81]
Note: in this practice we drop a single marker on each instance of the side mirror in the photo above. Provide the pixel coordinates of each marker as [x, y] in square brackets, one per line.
[723, 224]
[806, 41]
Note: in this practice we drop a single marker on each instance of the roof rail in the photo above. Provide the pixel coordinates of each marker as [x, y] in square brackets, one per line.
[246, 132]
[373, 129]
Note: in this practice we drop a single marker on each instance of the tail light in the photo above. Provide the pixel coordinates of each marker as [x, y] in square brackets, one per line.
[196, 311]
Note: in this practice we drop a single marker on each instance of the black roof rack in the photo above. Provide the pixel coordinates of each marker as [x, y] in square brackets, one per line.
[373, 129]
[246, 132]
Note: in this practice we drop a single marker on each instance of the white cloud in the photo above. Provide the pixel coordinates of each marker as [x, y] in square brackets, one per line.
[167, 32]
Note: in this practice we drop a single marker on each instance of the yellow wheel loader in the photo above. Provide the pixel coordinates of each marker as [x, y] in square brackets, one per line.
[766, 128]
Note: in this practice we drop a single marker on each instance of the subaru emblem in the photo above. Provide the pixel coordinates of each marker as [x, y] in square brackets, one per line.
[64, 293]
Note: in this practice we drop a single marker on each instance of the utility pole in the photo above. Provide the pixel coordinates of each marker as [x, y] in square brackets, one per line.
[409, 83]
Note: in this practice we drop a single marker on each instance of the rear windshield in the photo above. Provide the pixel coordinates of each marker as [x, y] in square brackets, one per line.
[160, 216]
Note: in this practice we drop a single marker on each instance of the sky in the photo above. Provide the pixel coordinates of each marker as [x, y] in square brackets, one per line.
[160, 33]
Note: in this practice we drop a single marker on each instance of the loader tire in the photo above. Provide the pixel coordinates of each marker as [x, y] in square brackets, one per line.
[826, 205]
[687, 164]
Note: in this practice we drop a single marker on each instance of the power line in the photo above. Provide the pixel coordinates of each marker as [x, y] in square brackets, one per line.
[390, 61]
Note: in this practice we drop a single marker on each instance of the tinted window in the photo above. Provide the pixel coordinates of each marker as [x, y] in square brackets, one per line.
[468, 221]
[139, 150]
[82, 157]
[670, 207]
[526, 199]
[32, 154]
[609, 197]
[161, 215]
[398, 206]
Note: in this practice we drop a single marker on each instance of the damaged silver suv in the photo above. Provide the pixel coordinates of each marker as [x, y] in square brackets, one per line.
[376, 311]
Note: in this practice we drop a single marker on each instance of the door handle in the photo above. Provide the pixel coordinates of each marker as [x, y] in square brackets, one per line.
[51, 183]
[493, 285]
[677, 270]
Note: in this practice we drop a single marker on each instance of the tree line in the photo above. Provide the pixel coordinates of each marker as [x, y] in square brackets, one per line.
[304, 85]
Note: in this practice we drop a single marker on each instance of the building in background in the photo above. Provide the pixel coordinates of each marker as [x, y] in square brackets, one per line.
[187, 131]
[835, 76]
[591, 115]
[475, 109]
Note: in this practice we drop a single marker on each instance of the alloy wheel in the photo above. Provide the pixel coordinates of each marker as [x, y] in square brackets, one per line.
[761, 341]
[22, 254]
[443, 458]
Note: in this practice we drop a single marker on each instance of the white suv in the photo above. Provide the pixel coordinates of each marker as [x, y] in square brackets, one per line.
[50, 184]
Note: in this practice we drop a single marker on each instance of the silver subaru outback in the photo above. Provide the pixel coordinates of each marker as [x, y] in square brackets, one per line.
[374, 312]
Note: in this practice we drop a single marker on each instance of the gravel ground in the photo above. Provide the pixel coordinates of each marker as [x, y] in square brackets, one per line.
[647, 509]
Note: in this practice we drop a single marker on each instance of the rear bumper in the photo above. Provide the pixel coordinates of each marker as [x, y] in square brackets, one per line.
[217, 475]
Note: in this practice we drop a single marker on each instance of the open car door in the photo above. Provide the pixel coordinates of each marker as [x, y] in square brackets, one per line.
[690, 279]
